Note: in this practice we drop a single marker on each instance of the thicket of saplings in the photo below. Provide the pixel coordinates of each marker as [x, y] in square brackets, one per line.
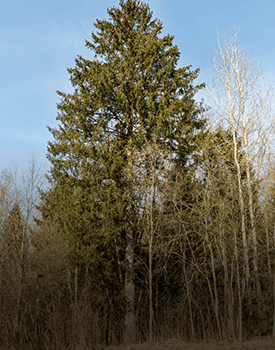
[202, 288]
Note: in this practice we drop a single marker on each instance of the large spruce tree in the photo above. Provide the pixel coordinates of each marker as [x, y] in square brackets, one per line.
[131, 92]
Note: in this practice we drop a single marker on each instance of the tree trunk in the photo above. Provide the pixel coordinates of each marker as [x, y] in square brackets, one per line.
[150, 290]
[239, 289]
[130, 326]
[216, 304]
[129, 321]
[241, 201]
[193, 335]
[251, 212]
[268, 249]
[209, 244]
[273, 333]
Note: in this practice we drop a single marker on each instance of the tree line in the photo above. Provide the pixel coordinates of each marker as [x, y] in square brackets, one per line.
[158, 219]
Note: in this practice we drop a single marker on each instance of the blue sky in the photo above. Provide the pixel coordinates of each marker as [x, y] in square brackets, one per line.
[39, 40]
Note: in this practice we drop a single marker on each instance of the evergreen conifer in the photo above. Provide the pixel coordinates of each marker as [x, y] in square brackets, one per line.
[132, 91]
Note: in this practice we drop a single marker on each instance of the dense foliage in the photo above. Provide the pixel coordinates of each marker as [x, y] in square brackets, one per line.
[132, 93]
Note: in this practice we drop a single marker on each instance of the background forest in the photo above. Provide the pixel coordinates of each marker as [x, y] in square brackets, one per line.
[159, 218]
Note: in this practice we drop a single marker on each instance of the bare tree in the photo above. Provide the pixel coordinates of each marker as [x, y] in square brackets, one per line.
[18, 200]
[241, 102]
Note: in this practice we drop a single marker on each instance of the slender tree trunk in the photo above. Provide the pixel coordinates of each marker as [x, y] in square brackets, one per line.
[238, 289]
[227, 292]
[268, 249]
[208, 241]
[150, 239]
[75, 284]
[1, 283]
[216, 305]
[69, 284]
[156, 304]
[129, 321]
[252, 221]
[241, 200]
[151, 313]
[130, 326]
[231, 305]
[118, 262]
[193, 335]
[273, 333]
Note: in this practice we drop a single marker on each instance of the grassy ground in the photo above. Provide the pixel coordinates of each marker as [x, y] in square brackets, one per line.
[254, 344]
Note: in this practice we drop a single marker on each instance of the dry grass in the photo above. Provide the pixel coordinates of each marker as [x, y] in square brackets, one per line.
[255, 344]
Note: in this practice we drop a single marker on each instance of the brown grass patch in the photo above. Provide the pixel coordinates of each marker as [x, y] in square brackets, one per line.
[254, 344]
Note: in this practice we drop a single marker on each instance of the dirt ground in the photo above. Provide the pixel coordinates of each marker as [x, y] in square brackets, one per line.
[255, 344]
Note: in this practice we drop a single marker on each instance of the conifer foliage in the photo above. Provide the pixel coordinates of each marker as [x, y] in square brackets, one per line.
[131, 92]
